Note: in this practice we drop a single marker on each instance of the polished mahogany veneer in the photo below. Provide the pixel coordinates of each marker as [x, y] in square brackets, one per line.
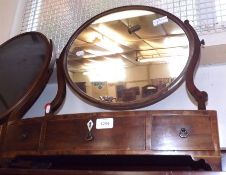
[133, 133]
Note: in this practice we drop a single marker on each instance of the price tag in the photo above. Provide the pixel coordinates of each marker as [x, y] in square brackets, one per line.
[160, 21]
[104, 123]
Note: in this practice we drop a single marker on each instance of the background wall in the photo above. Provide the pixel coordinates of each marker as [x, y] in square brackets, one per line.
[210, 75]
[11, 13]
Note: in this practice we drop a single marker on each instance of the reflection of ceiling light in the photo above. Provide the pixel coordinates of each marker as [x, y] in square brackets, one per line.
[134, 28]
[113, 34]
[97, 53]
[122, 15]
[111, 70]
[176, 40]
[92, 37]
[176, 65]
[97, 39]
[76, 53]
[109, 45]
[157, 59]
[177, 30]
[80, 53]
[165, 59]
[151, 87]
[103, 42]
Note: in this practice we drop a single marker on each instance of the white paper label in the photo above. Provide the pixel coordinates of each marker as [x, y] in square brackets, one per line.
[104, 123]
[160, 21]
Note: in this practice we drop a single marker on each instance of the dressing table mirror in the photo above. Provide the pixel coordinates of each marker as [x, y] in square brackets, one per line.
[127, 59]
[26, 62]
[122, 59]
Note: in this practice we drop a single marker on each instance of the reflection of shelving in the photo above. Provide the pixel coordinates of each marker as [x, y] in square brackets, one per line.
[124, 91]
[129, 94]
[149, 90]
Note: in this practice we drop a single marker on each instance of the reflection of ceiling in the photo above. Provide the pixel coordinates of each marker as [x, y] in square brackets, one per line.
[112, 40]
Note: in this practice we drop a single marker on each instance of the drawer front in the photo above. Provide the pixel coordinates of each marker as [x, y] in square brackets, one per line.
[181, 133]
[22, 136]
[127, 134]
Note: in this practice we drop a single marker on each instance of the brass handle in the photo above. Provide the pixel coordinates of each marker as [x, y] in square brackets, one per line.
[89, 136]
[183, 133]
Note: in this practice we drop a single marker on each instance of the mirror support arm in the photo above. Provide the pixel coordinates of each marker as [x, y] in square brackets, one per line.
[200, 96]
[61, 91]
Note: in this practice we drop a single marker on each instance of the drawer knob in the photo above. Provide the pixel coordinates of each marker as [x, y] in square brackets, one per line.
[183, 133]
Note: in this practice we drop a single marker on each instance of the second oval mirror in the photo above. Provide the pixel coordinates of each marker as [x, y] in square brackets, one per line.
[127, 57]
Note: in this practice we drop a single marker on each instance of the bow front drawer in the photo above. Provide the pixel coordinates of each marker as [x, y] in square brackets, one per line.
[71, 134]
[181, 132]
[22, 136]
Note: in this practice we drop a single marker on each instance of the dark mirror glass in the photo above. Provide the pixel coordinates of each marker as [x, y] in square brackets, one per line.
[127, 56]
[21, 60]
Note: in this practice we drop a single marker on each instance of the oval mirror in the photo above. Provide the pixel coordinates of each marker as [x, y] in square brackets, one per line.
[128, 57]
[24, 70]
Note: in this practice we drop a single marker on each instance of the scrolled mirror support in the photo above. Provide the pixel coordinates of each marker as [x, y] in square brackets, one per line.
[200, 96]
[61, 91]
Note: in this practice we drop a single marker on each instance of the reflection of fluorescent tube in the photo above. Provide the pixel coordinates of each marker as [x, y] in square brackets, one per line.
[160, 21]
[80, 53]
[175, 64]
[122, 15]
[160, 59]
[109, 45]
[166, 59]
[151, 87]
[97, 53]
[112, 34]
[177, 40]
[109, 70]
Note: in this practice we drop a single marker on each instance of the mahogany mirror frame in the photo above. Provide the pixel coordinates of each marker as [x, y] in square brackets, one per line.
[17, 110]
[186, 75]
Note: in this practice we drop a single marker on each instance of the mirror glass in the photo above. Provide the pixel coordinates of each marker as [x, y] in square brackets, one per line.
[21, 60]
[127, 56]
